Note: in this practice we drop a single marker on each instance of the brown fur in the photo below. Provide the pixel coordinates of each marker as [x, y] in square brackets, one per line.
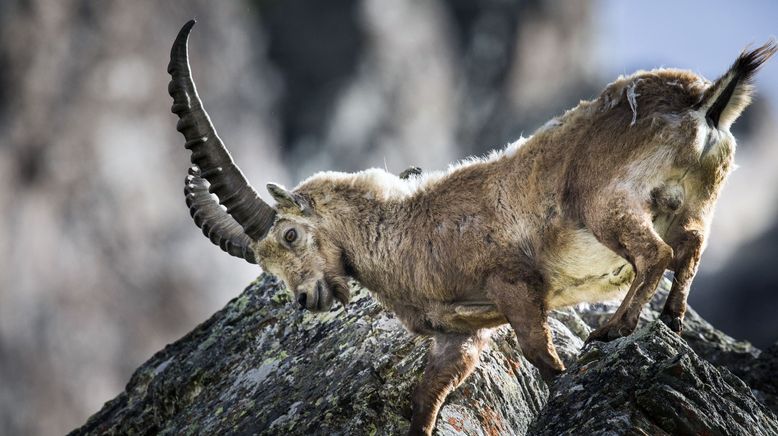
[596, 204]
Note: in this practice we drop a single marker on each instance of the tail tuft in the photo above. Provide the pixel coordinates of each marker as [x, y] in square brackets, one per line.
[725, 100]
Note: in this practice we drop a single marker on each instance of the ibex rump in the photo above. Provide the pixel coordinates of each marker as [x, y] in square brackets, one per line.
[596, 205]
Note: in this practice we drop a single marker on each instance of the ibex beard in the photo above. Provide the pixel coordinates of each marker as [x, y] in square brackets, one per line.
[594, 206]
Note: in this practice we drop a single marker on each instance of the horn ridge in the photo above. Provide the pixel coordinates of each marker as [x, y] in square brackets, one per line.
[208, 151]
[218, 226]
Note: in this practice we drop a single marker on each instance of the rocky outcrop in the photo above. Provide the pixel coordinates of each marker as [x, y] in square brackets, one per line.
[651, 383]
[261, 367]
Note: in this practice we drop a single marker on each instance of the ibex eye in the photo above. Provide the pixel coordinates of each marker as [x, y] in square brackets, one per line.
[290, 235]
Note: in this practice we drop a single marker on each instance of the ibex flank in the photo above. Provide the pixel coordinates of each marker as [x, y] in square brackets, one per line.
[594, 206]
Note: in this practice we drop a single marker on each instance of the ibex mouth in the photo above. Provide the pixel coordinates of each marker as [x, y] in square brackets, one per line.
[318, 299]
[319, 296]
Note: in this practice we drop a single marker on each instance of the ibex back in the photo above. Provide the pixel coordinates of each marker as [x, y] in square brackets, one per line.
[596, 205]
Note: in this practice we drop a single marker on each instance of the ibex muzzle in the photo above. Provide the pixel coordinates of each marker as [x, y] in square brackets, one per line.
[594, 206]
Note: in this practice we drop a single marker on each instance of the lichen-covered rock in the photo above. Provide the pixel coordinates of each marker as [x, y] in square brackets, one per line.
[707, 341]
[261, 367]
[651, 383]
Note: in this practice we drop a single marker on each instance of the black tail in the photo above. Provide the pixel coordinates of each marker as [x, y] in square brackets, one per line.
[724, 101]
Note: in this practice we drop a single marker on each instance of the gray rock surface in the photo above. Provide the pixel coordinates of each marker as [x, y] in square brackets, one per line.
[651, 383]
[261, 367]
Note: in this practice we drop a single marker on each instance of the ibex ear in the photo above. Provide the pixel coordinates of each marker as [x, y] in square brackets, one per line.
[287, 199]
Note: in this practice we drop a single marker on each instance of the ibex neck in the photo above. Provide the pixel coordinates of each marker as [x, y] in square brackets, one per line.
[367, 238]
[364, 215]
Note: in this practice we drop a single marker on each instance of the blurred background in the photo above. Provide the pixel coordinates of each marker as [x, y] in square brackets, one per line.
[100, 265]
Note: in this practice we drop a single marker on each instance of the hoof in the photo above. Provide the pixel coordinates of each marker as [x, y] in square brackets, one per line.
[550, 374]
[674, 322]
[608, 333]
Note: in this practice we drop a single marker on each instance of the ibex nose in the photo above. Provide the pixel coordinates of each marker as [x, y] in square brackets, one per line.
[301, 299]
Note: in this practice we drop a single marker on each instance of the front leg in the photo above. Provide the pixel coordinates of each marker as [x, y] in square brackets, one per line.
[628, 231]
[451, 359]
[688, 250]
[524, 305]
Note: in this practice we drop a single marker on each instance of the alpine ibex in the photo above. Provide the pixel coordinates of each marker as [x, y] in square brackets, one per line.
[595, 205]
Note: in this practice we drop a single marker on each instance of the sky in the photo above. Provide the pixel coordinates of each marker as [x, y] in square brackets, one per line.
[704, 36]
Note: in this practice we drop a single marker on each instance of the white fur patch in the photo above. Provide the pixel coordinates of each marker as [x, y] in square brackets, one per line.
[645, 173]
[632, 96]
[675, 83]
[550, 124]
[585, 270]
[385, 184]
[701, 136]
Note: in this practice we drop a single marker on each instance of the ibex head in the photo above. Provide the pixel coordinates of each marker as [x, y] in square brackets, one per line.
[283, 239]
[298, 251]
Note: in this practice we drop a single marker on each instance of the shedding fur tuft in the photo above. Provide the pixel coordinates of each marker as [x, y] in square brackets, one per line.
[731, 93]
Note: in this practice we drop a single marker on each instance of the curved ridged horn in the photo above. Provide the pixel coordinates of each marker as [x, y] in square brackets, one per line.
[208, 152]
[216, 224]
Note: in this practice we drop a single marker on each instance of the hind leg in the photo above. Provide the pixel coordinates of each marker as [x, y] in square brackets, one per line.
[627, 229]
[451, 360]
[523, 304]
[688, 247]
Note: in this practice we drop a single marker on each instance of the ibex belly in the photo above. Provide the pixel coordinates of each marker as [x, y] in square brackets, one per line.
[581, 269]
[466, 316]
